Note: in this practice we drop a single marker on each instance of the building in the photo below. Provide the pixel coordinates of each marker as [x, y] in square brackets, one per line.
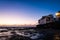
[46, 19]
[50, 26]
[49, 18]
[49, 21]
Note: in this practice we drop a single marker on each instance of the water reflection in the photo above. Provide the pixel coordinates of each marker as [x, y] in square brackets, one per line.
[28, 35]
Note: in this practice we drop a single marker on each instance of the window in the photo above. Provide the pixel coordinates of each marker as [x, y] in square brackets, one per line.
[48, 19]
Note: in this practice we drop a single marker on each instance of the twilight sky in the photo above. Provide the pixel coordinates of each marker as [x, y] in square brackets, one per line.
[26, 11]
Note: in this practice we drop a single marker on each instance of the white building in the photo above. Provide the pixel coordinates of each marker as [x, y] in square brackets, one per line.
[46, 19]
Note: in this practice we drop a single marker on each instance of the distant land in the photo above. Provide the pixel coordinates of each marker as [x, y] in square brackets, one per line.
[17, 25]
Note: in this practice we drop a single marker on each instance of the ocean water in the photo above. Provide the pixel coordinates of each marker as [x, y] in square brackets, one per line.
[27, 34]
[20, 34]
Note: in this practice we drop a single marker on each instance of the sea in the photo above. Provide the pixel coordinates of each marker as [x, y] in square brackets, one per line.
[19, 33]
[27, 33]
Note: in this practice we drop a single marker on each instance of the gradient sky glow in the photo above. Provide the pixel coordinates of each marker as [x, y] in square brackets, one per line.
[26, 11]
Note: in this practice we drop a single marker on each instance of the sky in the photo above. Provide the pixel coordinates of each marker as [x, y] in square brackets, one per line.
[26, 11]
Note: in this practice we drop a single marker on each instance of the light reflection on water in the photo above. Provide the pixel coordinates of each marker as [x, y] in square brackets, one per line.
[26, 33]
[31, 33]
